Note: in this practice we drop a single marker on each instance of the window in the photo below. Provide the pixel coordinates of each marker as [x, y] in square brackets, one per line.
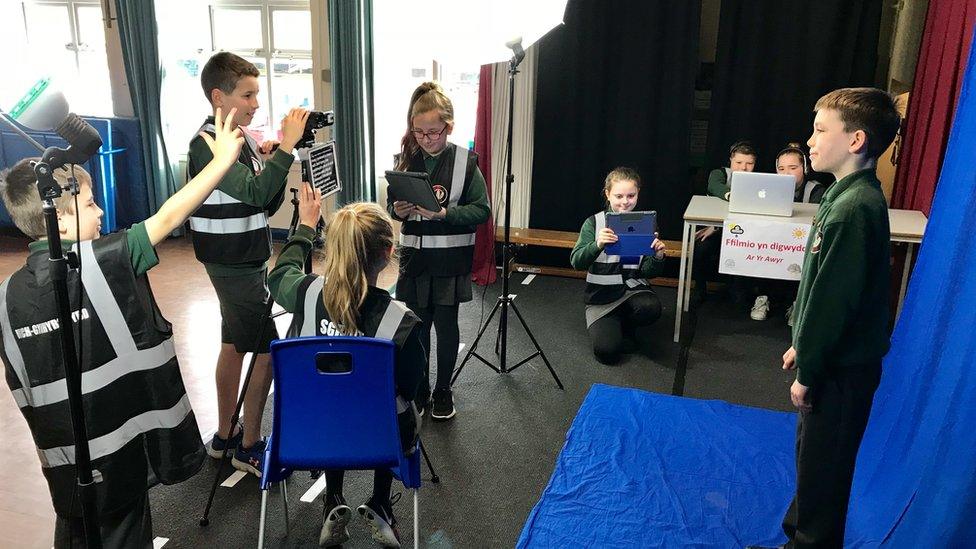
[275, 35]
[64, 39]
[277, 38]
[404, 56]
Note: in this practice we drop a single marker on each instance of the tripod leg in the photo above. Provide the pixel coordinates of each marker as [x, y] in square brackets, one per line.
[474, 344]
[433, 474]
[537, 347]
[236, 417]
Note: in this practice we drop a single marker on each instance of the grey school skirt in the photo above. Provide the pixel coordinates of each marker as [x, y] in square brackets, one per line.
[425, 290]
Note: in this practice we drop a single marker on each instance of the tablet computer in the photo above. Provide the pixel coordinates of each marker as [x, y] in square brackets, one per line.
[635, 233]
[412, 187]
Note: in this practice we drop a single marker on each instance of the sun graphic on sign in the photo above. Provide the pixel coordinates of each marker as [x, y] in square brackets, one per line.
[799, 233]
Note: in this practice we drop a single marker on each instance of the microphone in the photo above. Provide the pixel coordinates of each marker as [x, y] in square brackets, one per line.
[82, 138]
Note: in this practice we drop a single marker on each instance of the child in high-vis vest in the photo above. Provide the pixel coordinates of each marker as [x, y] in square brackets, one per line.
[437, 247]
[141, 428]
[345, 301]
[232, 239]
[617, 296]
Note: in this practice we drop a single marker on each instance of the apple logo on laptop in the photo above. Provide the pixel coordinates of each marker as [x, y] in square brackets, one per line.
[762, 193]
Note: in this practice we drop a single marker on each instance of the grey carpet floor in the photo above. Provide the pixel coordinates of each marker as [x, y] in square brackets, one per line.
[495, 458]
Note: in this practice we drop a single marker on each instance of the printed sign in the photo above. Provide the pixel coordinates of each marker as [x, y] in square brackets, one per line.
[764, 248]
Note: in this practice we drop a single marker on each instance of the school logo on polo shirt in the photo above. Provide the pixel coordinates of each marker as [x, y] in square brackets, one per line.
[440, 193]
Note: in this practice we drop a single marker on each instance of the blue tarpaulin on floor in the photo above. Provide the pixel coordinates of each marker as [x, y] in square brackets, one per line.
[642, 469]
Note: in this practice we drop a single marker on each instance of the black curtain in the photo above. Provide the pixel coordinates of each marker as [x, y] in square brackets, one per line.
[775, 59]
[615, 88]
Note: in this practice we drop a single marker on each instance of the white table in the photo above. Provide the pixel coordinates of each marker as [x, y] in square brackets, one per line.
[907, 226]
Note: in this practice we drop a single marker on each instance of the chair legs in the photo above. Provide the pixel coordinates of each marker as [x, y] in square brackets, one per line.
[283, 485]
[264, 511]
[416, 520]
[284, 503]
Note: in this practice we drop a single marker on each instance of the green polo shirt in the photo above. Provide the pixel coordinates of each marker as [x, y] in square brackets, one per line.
[842, 305]
[718, 183]
[141, 252]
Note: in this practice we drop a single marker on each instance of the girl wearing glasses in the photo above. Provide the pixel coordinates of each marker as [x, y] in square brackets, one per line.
[437, 247]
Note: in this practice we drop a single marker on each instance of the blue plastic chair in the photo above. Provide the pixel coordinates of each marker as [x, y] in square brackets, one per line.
[334, 408]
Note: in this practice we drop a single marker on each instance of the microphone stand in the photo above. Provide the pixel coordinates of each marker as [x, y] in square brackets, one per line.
[49, 189]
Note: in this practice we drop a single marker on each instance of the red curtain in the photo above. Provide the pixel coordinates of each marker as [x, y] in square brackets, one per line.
[938, 80]
[483, 267]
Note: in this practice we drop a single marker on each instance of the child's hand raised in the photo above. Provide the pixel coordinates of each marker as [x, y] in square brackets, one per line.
[227, 141]
[292, 128]
[604, 237]
[309, 205]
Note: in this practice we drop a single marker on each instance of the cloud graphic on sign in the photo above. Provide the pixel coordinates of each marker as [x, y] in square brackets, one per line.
[793, 268]
[736, 229]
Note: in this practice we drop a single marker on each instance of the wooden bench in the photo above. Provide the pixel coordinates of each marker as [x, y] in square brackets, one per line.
[565, 239]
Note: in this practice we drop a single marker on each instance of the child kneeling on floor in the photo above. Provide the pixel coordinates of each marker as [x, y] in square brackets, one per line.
[617, 296]
[358, 246]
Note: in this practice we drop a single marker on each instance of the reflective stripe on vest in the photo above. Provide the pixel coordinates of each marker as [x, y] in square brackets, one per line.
[437, 240]
[129, 358]
[14, 357]
[232, 225]
[600, 223]
[457, 175]
[312, 296]
[112, 442]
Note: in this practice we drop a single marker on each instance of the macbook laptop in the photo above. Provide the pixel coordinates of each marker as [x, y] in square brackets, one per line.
[761, 193]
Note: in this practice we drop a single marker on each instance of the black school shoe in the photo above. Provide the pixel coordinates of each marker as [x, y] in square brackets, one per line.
[443, 405]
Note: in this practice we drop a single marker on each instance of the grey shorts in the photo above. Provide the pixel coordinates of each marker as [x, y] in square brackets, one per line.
[243, 304]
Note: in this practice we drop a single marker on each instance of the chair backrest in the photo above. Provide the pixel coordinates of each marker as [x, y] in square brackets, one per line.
[334, 403]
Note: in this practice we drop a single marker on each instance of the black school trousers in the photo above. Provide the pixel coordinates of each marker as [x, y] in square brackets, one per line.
[827, 440]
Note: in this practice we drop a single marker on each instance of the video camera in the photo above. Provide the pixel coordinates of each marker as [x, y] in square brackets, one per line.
[316, 121]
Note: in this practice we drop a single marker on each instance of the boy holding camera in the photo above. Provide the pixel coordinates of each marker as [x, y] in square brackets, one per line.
[231, 237]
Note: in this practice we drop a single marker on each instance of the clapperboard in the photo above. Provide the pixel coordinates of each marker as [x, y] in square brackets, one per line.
[322, 169]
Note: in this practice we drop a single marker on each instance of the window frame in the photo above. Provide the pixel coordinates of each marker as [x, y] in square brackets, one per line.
[267, 51]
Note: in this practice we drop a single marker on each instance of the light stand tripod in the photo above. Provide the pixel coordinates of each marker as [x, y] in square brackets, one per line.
[84, 143]
[505, 300]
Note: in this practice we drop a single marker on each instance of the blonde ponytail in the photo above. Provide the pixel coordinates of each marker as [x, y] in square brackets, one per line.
[356, 243]
[428, 96]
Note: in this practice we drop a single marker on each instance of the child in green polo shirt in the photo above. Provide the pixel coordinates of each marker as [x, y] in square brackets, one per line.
[840, 331]
[232, 239]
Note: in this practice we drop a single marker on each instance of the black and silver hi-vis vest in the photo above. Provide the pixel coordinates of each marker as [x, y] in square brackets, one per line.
[436, 246]
[141, 428]
[225, 230]
[608, 278]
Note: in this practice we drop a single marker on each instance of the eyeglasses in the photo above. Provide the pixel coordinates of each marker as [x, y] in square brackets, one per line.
[420, 134]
